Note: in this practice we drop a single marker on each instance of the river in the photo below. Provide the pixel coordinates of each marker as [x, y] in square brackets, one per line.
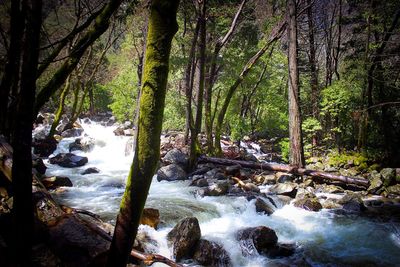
[322, 238]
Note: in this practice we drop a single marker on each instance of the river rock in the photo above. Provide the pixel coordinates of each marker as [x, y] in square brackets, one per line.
[90, 171]
[232, 170]
[329, 189]
[175, 156]
[68, 160]
[388, 176]
[38, 164]
[375, 182]
[119, 131]
[171, 172]
[210, 253]
[287, 189]
[282, 177]
[260, 238]
[85, 144]
[352, 202]
[308, 202]
[280, 250]
[184, 237]
[74, 132]
[217, 189]
[144, 242]
[150, 217]
[264, 207]
[199, 181]
[394, 189]
[44, 147]
[56, 181]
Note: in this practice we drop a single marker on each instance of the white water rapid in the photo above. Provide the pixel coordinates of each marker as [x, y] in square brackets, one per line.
[322, 238]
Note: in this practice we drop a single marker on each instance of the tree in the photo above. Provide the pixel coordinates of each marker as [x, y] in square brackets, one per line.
[296, 152]
[162, 26]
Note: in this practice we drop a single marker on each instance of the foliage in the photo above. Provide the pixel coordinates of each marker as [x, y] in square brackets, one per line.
[284, 147]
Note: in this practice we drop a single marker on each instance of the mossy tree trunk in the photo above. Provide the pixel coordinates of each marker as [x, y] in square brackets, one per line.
[195, 149]
[161, 29]
[22, 137]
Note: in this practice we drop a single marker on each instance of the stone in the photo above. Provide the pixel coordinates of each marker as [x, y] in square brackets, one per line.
[90, 171]
[210, 253]
[217, 189]
[280, 250]
[68, 160]
[232, 170]
[200, 182]
[394, 189]
[74, 132]
[171, 172]
[282, 177]
[251, 187]
[331, 189]
[119, 131]
[287, 189]
[85, 144]
[250, 157]
[375, 182]
[56, 181]
[175, 156]
[308, 203]
[44, 147]
[388, 176]
[263, 207]
[129, 132]
[330, 169]
[352, 202]
[145, 243]
[38, 164]
[319, 166]
[150, 217]
[184, 237]
[260, 238]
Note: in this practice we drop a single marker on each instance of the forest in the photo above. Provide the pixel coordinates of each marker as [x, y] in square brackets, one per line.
[199, 133]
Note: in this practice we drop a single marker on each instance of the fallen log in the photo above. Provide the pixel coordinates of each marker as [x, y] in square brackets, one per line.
[286, 168]
[74, 240]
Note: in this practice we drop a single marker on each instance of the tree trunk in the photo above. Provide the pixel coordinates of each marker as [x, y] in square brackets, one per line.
[22, 138]
[286, 168]
[162, 27]
[296, 152]
[60, 109]
[195, 149]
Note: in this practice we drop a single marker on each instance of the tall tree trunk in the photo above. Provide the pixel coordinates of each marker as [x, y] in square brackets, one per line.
[22, 138]
[11, 71]
[296, 152]
[162, 27]
[313, 69]
[195, 149]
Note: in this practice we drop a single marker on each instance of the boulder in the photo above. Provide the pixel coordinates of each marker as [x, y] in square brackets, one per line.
[217, 189]
[68, 160]
[90, 171]
[44, 147]
[388, 176]
[282, 177]
[232, 170]
[199, 182]
[171, 172]
[119, 131]
[264, 207]
[56, 181]
[129, 132]
[375, 182]
[287, 189]
[38, 164]
[145, 243]
[352, 202]
[150, 217]
[175, 156]
[394, 189]
[308, 202]
[85, 144]
[260, 238]
[210, 253]
[330, 189]
[249, 157]
[74, 132]
[280, 250]
[184, 237]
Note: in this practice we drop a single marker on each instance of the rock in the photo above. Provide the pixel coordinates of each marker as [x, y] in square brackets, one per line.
[330, 169]
[217, 189]
[397, 175]
[150, 217]
[175, 156]
[280, 250]
[209, 253]
[119, 131]
[352, 202]
[330, 189]
[44, 147]
[308, 203]
[319, 166]
[394, 189]
[263, 207]
[56, 181]
[90, 171]
[68, 160]
[74, 132]
[171, 172]
[85, 144]
[129, 132]
[282, 177]
[250, 157]
[232, 170]
[260, 238]
[145, 243]
[200, 182]
[287, 189]
[375, 182]
[388, 176]
[250, 187]
[38, 165]
[184, 237]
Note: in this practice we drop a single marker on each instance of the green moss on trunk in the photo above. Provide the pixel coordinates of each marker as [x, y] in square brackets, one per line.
[161, 29]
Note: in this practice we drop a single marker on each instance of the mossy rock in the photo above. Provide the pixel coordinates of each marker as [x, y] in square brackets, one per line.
[394, 189]
[388, 176]
[311, 204]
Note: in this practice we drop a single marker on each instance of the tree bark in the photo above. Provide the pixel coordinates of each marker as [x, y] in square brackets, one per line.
[286, 168]
[296, 152]
[22, 137]
[161, 29]
[195, 149]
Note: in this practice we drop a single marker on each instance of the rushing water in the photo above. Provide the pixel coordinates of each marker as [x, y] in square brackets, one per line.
[322, 238]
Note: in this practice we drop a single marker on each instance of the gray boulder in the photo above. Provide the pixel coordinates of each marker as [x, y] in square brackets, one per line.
[255, 240]
[68, 160]
[171, 172]
[286, 189]
[209, 253]
[175, 156]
